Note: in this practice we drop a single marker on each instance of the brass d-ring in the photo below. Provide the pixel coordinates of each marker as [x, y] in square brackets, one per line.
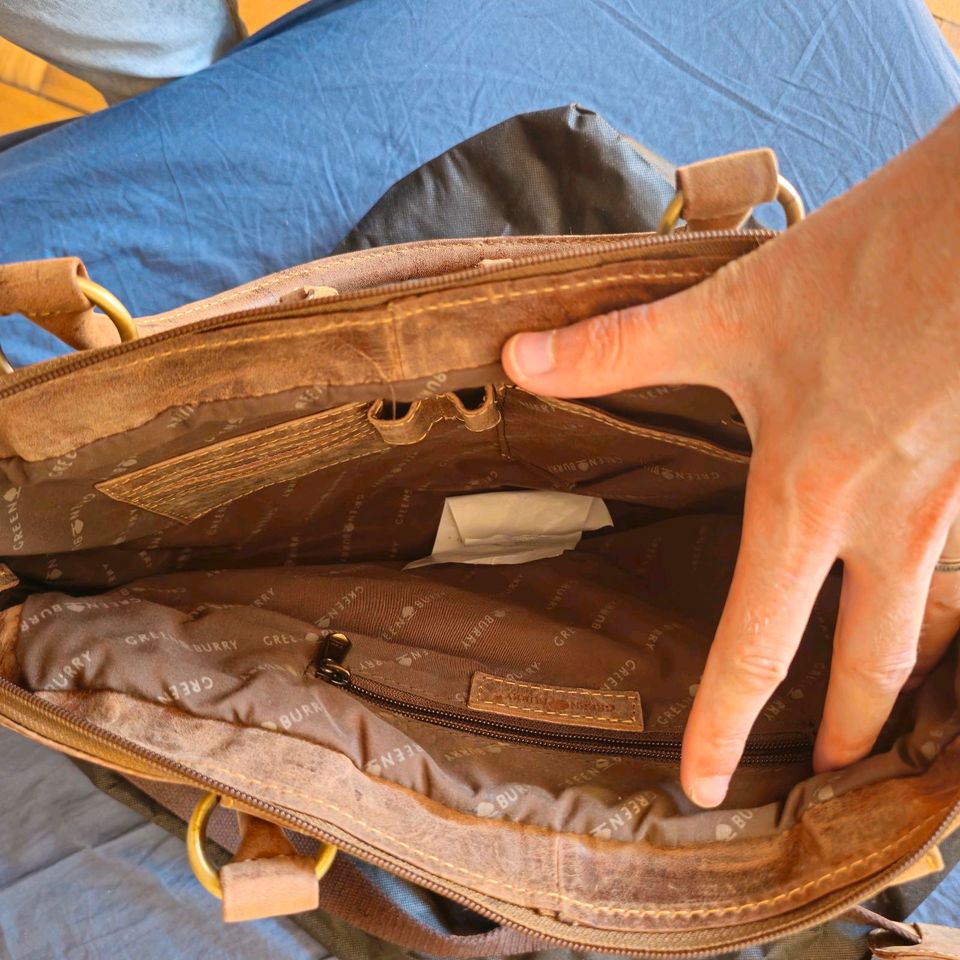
[111, 306]
[205, 871]
[787, 197]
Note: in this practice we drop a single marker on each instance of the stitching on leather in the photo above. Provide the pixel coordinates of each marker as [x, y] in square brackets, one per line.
[378, 321]
[242, 471]
[542, 686]
[218, 299]
[708, 910]
[162, 505]
[226, 468]
[58, 313]
[698, 445]
[238, 472]
[233, 459]
[633, 700]
[243, 458]
[554, 713]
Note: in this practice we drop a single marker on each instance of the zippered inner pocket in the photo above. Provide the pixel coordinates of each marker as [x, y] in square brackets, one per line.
[485, 687]
[331, 665]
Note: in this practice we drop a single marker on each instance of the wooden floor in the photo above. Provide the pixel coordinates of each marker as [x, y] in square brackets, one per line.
[32, 91]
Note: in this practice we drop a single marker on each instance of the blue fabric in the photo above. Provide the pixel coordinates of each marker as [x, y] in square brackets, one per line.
[82, 877]
[267, 159]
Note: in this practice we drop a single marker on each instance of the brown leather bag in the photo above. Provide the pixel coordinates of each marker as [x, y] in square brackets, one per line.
[206, 519]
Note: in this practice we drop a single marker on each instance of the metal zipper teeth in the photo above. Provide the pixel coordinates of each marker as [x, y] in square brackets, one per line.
[424, 285]
[126, 748]
[660, 750]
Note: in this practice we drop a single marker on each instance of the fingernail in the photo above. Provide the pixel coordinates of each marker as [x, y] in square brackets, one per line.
[532, 353]
[709, 791]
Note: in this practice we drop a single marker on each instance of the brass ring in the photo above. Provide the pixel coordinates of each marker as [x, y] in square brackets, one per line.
[111, 306]
[205, 871]
[787, 197]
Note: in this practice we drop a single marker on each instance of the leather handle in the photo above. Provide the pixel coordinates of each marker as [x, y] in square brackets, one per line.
[49, 294]
[348, 894]
[719, 193]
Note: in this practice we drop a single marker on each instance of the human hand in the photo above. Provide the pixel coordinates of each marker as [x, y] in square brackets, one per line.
[839, 342]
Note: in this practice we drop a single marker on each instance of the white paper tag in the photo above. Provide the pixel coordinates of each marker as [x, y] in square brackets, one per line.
[513, 526]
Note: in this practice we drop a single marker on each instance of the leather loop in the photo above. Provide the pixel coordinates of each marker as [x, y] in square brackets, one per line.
[415, 424]
[718, 194]
[863, 916]
[935, 943]
[46, 291]
[267, 877]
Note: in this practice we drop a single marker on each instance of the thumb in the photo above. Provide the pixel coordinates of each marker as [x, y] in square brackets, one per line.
[682, 339]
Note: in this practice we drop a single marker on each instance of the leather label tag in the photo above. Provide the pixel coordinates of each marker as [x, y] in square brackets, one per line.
[576, 706]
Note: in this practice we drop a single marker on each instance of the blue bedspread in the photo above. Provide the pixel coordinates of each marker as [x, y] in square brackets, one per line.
[269, 157]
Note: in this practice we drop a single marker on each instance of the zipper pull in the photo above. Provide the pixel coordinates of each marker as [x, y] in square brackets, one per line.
[328, 663]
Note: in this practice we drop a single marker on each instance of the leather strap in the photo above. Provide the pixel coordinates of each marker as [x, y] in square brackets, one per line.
[718, 194]
[267, 877]
[348, 894]
[46, 292]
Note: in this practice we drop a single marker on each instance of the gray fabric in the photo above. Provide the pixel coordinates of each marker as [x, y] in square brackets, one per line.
[123, 48]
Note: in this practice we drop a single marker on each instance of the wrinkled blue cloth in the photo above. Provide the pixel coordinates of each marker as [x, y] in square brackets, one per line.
[268, 158]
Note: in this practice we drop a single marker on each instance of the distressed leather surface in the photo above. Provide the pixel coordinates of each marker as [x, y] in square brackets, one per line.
[46, 291]
[266, 877]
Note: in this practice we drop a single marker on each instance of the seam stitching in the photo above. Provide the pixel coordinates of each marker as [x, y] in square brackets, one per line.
[162, 505]
[236, 477]
[379, 321]
[606, 694]
[238, 460]
[662, 436]
[553, 713]
[226, 297]
[708, 910]
[226, 468]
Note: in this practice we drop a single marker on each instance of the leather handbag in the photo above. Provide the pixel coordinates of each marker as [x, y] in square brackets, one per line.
[208, 521]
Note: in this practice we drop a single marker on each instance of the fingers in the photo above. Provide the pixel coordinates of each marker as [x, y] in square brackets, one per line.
[875, 649]
[941, 621]
[675, 340]
[781, 567]
[941, 617]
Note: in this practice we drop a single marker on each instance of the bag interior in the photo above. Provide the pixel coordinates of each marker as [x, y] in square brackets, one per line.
[223, 618]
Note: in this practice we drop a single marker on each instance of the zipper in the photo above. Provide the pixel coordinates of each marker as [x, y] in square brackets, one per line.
[25, 378]
[61, 726]
[658, 748]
